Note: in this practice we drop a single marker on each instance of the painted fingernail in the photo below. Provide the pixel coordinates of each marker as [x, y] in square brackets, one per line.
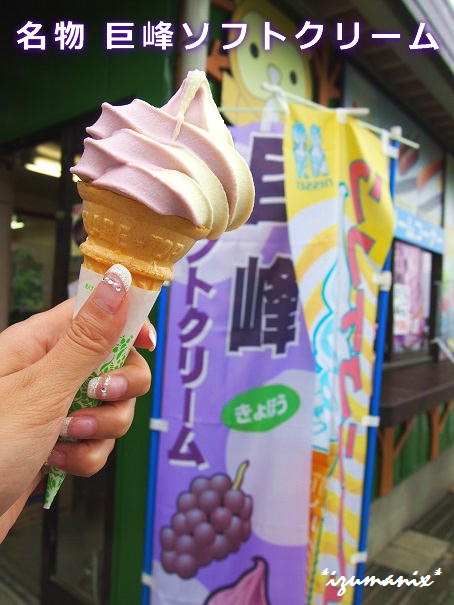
[79, 428]
[107, 386]
[111, 290]
[56, 458]
[153, 338]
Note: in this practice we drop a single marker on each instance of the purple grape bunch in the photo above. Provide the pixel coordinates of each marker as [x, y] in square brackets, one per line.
[212, 520]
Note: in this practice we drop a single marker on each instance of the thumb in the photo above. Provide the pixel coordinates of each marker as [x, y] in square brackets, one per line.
[93, 332]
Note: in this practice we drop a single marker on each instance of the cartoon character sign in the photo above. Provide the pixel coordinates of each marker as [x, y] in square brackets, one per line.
[317, 153]
[299, 149]
[284, 65]
[304, 152]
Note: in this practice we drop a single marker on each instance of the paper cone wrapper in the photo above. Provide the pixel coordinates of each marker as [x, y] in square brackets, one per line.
[121, 230]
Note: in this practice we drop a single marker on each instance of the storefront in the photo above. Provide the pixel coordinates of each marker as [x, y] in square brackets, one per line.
[89, 548]
[54, 555]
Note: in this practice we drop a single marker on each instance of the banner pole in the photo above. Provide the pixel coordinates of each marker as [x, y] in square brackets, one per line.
[274, 88]
[153, 455]
[395, 133]
[383, 302]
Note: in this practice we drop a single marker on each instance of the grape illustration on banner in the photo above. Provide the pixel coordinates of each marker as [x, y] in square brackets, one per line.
[212, 521]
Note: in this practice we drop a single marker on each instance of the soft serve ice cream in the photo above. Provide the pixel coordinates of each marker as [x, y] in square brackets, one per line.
[153, 182]
[178, 160]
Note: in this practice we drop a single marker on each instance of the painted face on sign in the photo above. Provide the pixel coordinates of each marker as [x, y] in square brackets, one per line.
[251, 65]
[282, 65]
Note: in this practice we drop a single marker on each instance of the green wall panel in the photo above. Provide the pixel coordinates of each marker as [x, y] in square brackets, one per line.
[131, 475]
[447, 433]
[415, 452]
[43, 88]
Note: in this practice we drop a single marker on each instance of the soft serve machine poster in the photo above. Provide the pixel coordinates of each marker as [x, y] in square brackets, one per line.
[233, 482]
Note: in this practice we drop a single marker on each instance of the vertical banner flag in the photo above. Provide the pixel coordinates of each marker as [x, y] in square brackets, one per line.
[341, 225]
[233, 485]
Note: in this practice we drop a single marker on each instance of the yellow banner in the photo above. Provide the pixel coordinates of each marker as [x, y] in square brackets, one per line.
[341, 224]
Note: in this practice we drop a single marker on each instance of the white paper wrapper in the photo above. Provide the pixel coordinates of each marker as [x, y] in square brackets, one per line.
[140, 305]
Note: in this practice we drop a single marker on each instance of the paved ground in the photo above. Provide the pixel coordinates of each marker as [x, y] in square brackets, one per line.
[19, 559]
[425, 547]
[12, 593]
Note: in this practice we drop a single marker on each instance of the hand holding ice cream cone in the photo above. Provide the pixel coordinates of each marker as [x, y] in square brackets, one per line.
[44, 360]
[154, 181]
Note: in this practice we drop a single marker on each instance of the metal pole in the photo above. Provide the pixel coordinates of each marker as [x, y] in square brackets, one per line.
[383, 301]
[153, 456]
[395, 134]
[62, 251]
[195, 14]
[354, 111]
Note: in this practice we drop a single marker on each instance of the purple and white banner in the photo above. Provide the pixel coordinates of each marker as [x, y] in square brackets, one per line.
[233, 485]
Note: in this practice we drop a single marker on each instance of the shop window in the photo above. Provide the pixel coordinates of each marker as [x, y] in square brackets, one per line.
[32, 260]
[34, 231]
[412, 310]
[33, 228]
[45, 231]
[411, 298]
[32, 263]
[445, 316]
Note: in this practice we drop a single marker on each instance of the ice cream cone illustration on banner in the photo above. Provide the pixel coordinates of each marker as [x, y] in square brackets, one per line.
[154, 181]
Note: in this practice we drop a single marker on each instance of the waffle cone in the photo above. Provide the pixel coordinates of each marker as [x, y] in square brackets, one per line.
[122, 230]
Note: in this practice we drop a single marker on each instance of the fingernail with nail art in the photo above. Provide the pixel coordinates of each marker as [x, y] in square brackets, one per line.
[79, 427]
[111, 290]
[107, 386]
[56, 458]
